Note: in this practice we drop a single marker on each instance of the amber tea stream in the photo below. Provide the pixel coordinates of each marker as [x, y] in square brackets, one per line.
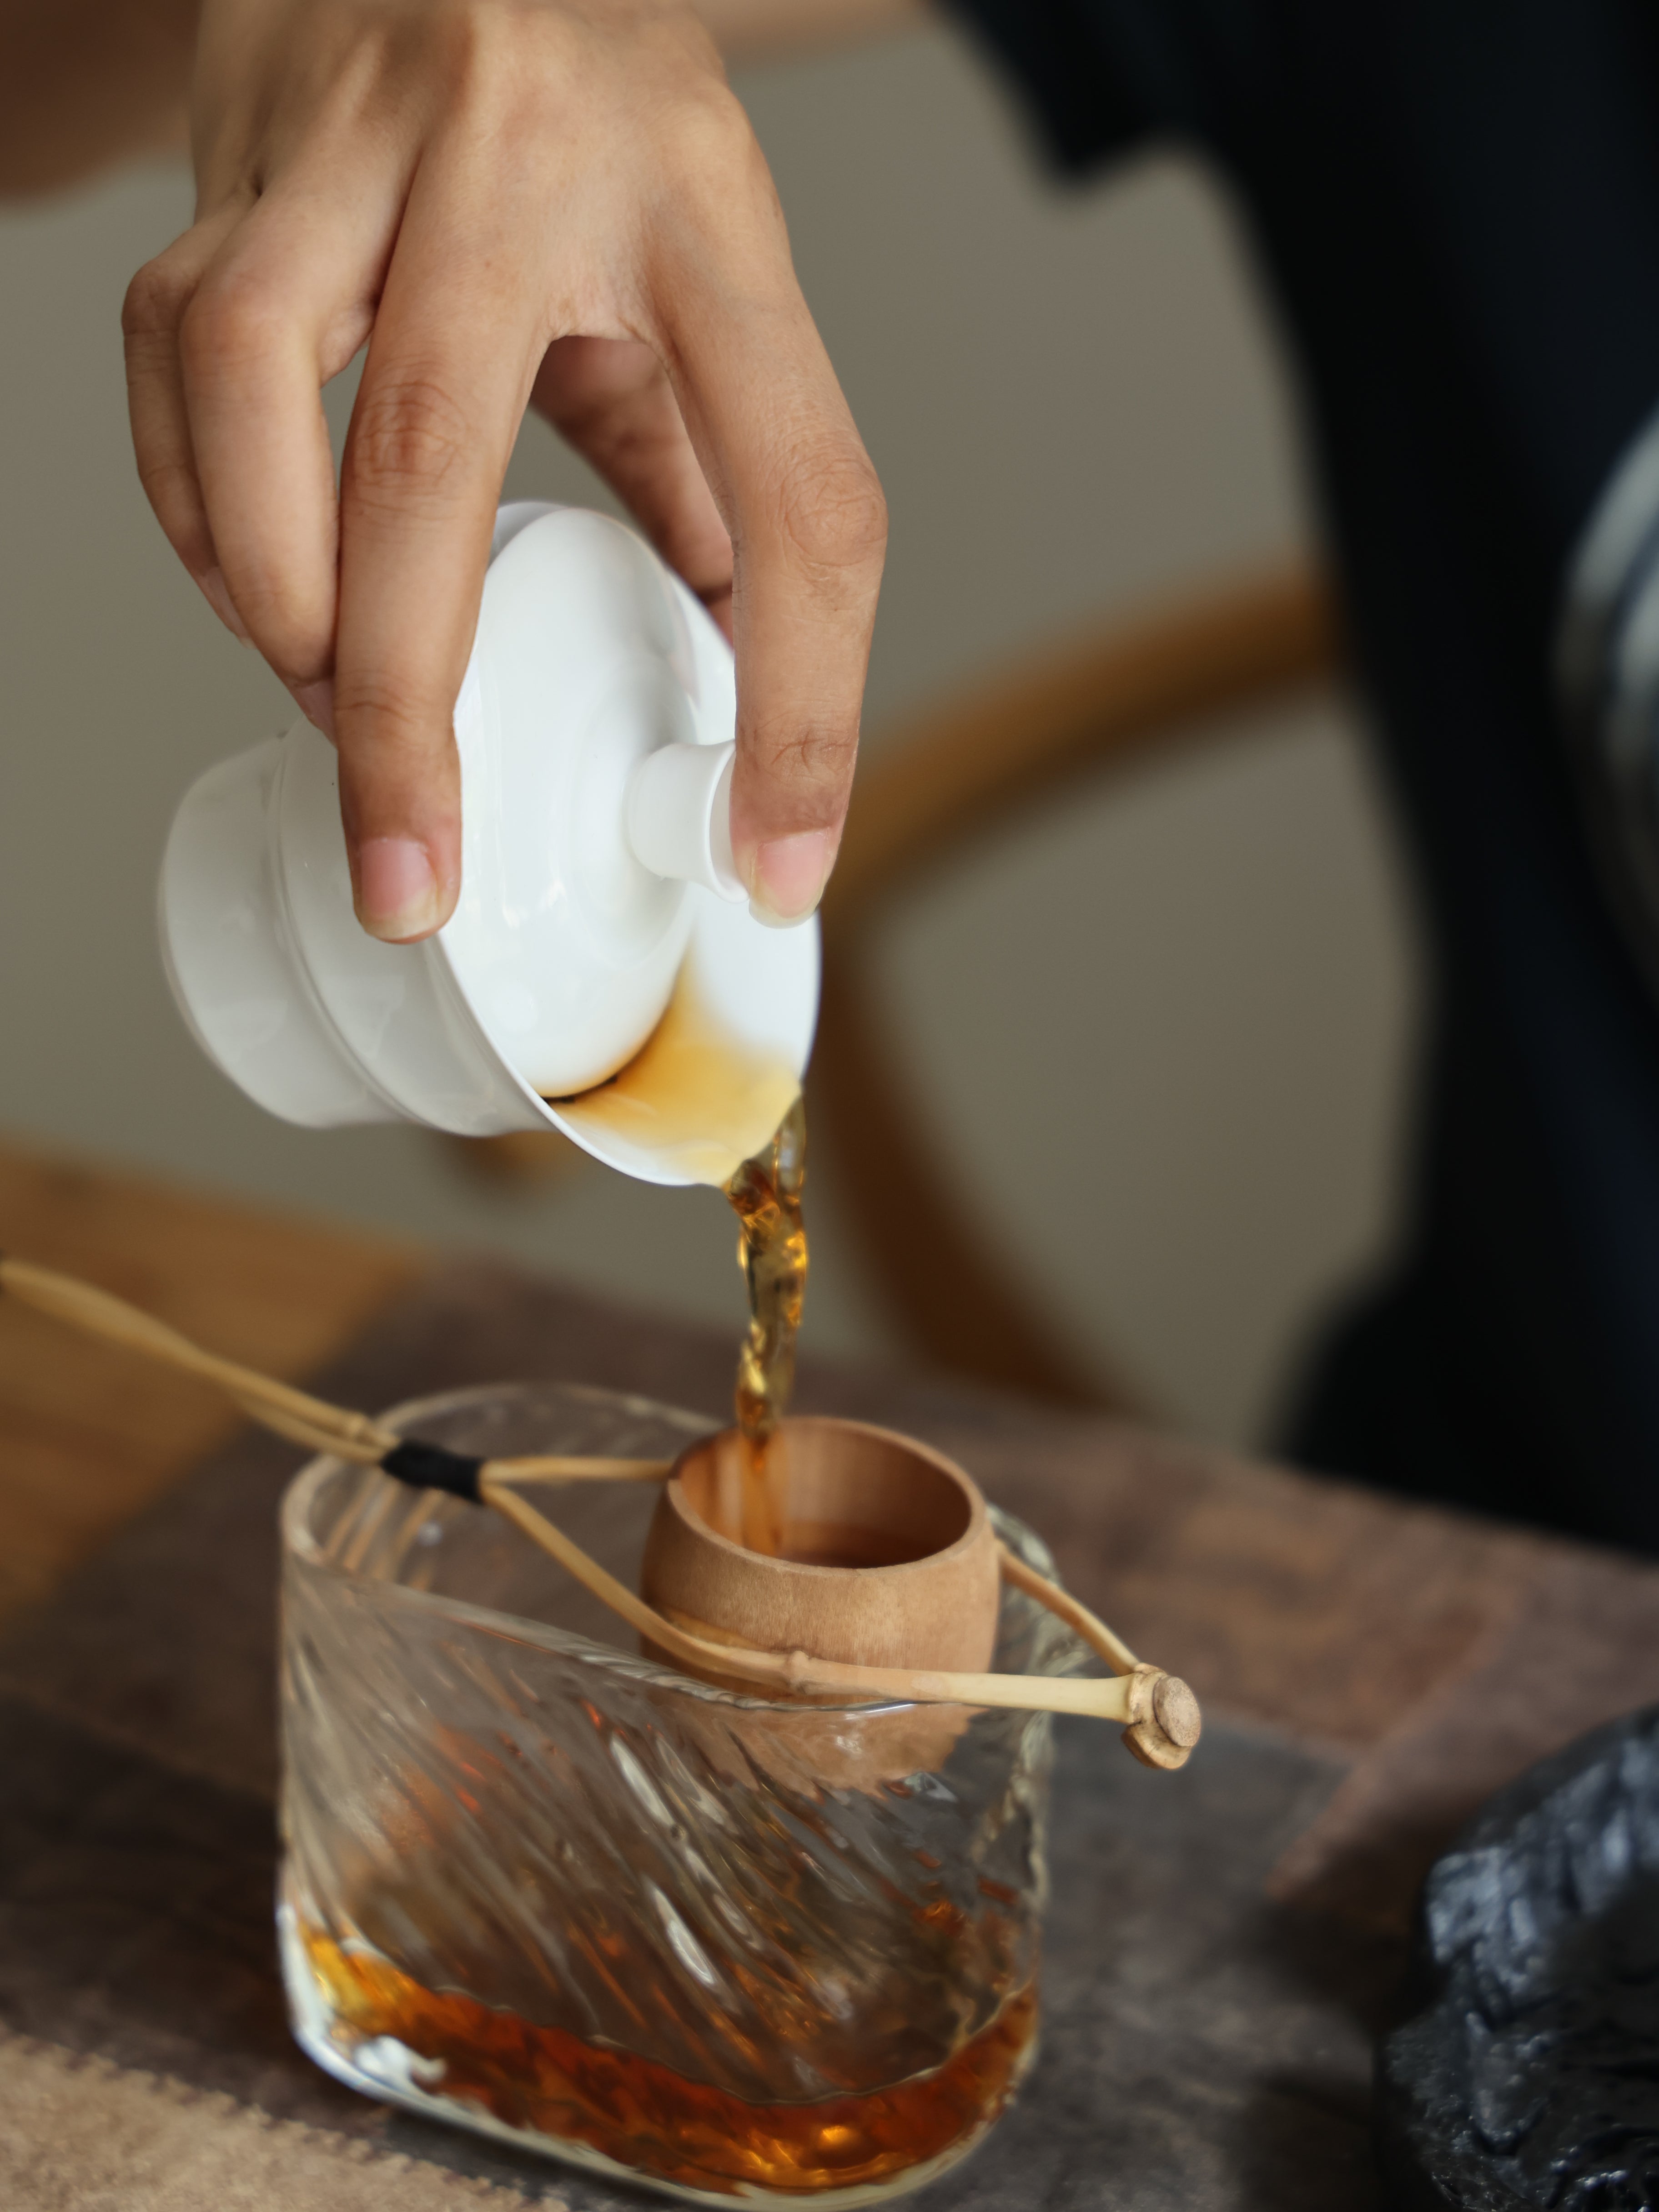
[734, 1119]
[766, 1192]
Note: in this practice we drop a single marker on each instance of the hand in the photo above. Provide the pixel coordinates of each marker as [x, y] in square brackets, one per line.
[506, 199]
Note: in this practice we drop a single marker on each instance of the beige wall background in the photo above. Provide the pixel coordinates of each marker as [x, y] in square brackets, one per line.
[1162, 1030]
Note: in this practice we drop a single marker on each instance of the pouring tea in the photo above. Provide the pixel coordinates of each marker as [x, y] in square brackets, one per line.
[823, 1621]
[600, 975]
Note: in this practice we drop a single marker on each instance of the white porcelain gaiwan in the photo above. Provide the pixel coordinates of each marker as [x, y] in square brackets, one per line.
[595, 732]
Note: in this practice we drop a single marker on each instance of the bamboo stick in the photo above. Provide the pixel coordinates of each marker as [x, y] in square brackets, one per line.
[565, 1468]
[100, 1313]
[292, 1414]
[797, 1670]
[1102, 1640]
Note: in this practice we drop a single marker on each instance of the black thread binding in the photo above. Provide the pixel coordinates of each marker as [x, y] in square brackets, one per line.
[432, 1467]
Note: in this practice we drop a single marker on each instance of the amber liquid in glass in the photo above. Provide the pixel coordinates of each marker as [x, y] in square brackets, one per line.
[647, 2117]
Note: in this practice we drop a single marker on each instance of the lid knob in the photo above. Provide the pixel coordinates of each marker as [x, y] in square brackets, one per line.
[678, 815]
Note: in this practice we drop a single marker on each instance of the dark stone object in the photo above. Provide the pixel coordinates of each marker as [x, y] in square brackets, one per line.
[1529, 2074]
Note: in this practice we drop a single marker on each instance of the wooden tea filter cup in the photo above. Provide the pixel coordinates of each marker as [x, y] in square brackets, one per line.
[888, 1559]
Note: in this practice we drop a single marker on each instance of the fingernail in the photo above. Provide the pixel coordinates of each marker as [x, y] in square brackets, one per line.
[789, 876]
[397, 889]
[317, 705]
[217, 592]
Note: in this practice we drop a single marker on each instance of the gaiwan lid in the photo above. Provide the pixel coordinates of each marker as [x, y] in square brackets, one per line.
[601, 971]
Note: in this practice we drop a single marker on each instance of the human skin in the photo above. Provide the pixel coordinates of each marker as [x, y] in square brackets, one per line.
[509, 202]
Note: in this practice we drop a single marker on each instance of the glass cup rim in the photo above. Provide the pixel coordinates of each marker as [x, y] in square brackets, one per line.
[299, 1540]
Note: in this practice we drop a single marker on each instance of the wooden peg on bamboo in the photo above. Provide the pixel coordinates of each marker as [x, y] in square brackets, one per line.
[1164, 1721]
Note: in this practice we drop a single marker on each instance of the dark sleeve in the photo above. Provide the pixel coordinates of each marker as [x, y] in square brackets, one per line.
[1098, 75]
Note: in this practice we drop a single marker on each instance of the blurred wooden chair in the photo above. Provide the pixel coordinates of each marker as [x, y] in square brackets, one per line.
[1190, 671]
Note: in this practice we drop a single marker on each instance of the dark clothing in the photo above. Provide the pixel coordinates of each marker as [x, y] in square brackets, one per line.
[1456, 206]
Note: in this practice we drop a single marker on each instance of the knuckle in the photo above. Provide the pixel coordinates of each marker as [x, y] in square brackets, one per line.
[835, 517]
[410, 437]
[384, 714]
[156, 299]
[512, 66]
[706, 140]
[815, 754]
[717, 208]
[293, 640]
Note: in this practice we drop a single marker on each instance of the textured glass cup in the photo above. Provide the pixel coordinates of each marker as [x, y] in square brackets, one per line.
[739, 1950]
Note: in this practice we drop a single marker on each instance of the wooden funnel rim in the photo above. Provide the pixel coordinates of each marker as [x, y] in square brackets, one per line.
[889, 1557]
[952, 1502]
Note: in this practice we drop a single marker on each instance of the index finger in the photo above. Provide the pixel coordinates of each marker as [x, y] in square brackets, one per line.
[443, 388]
